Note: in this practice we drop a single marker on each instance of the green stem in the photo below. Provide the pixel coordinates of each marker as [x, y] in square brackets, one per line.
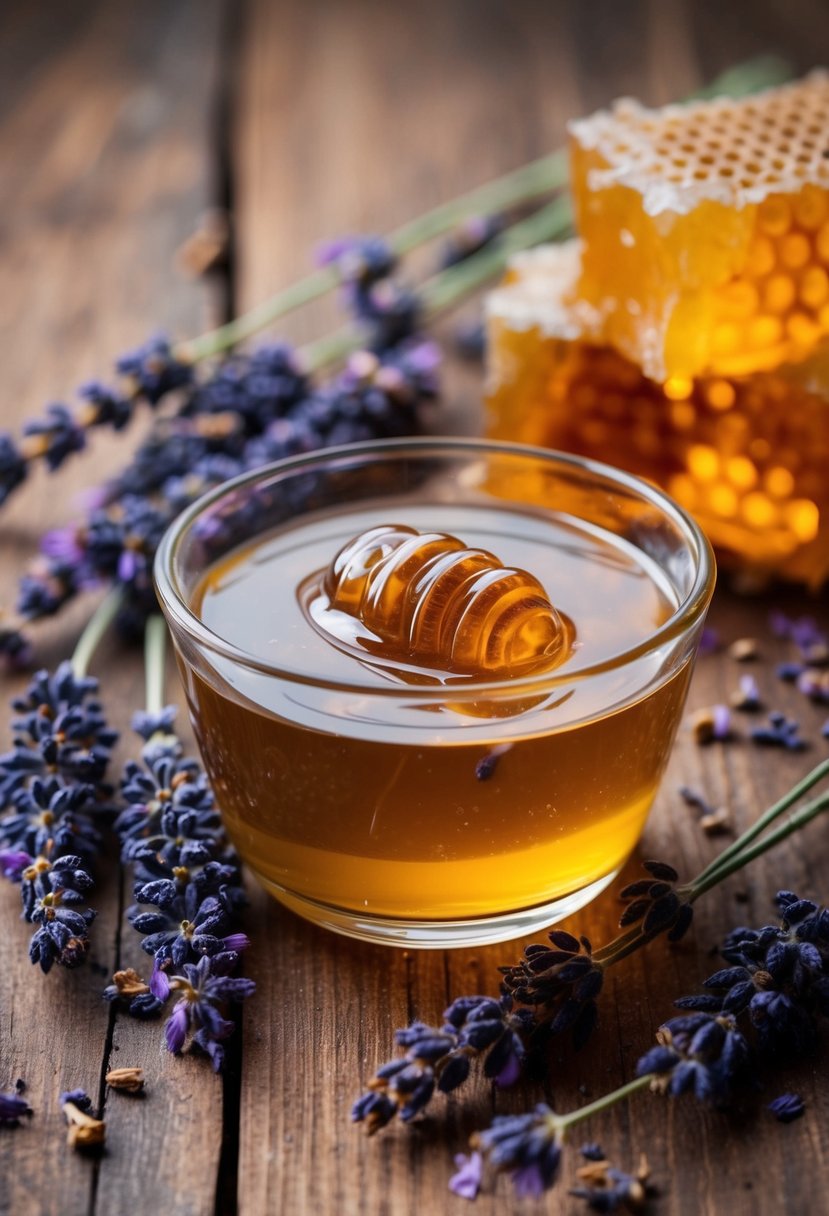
[522, 185]
[444, 290]
[563, 1123]
[794, 794]
[155, 645]
[96, 627]
[738, 854]
[810, 811]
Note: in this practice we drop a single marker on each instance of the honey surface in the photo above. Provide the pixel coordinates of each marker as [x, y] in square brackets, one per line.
[382, 809]
[746, 455]
[706, 230]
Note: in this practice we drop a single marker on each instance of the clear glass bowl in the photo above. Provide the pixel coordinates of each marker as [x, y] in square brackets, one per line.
[444, 812]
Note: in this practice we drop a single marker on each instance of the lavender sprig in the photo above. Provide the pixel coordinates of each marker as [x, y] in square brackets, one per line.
[146, 375]
[253, 409]
[441, 1057]
[188, 884]
[528, 1148]
[52, 795]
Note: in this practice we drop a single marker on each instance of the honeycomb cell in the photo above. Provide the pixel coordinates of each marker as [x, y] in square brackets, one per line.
[716, 235]
[426, 598]
[746, 455]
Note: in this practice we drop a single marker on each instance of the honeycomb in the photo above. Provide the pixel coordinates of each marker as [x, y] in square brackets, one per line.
[706, 229]
[427, 597]
[747, 456]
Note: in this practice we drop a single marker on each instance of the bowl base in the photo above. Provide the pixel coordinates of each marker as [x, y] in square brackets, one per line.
[438, 934]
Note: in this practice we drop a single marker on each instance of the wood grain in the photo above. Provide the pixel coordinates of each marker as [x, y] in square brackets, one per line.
[354, 118]
[104, 141]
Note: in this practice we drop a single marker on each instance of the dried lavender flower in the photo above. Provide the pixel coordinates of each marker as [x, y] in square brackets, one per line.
[84, 1131]
[561, 982]
[526, 1147]
[779, 732]
[608, 1189]
[700, 1053]
[712, 725]
[467, 1181]
[441, 1058]
[470, 236]
[787, 1107]
[744, 650]
[130, 1080]
[655, 903]
[13, 1108]
[779, 974]
[747, 695]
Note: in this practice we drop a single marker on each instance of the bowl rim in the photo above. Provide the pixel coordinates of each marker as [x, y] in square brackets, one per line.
[686, 615]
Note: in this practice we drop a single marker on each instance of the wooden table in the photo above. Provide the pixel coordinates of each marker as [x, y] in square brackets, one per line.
[119, 124]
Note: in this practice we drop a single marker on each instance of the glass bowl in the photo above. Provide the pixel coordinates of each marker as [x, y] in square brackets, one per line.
[435, 810]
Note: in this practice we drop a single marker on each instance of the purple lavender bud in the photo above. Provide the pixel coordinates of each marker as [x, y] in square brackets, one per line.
[60, 433]
[13, 467]
[721, 728]
[159, 984]
[467, 1181]
[748, 698]
[813, 683]
[13, 1108]
[787, 1107]
[13, 862]
[528, 1181]
[175, 1032]
[15, 650]
[146, 725]
[78, 1097]
[63, 544]
[788, 671]
[236, 941]
[510, 1073]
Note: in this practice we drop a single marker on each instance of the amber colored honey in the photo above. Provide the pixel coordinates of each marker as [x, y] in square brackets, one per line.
[747, 455]
[346, 786]
[706, 229]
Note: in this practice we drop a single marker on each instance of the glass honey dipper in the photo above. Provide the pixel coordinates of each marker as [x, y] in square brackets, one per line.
[427, 598]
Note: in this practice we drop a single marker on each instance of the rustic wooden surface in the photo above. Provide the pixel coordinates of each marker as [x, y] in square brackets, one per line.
[119, 124]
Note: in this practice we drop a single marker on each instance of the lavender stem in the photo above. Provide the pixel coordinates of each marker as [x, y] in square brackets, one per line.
[96, 627]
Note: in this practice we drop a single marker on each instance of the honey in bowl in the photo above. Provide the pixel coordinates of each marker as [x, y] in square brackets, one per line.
[432, 714]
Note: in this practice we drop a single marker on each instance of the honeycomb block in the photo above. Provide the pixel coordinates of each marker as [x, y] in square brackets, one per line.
[746, 455]
[706, 229]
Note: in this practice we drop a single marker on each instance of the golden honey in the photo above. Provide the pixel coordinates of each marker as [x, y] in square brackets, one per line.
[706, 230]
[747, 455]
[376, 775]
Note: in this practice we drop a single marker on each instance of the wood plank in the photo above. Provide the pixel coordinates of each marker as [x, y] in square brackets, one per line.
[354, 118]
[104, 140]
